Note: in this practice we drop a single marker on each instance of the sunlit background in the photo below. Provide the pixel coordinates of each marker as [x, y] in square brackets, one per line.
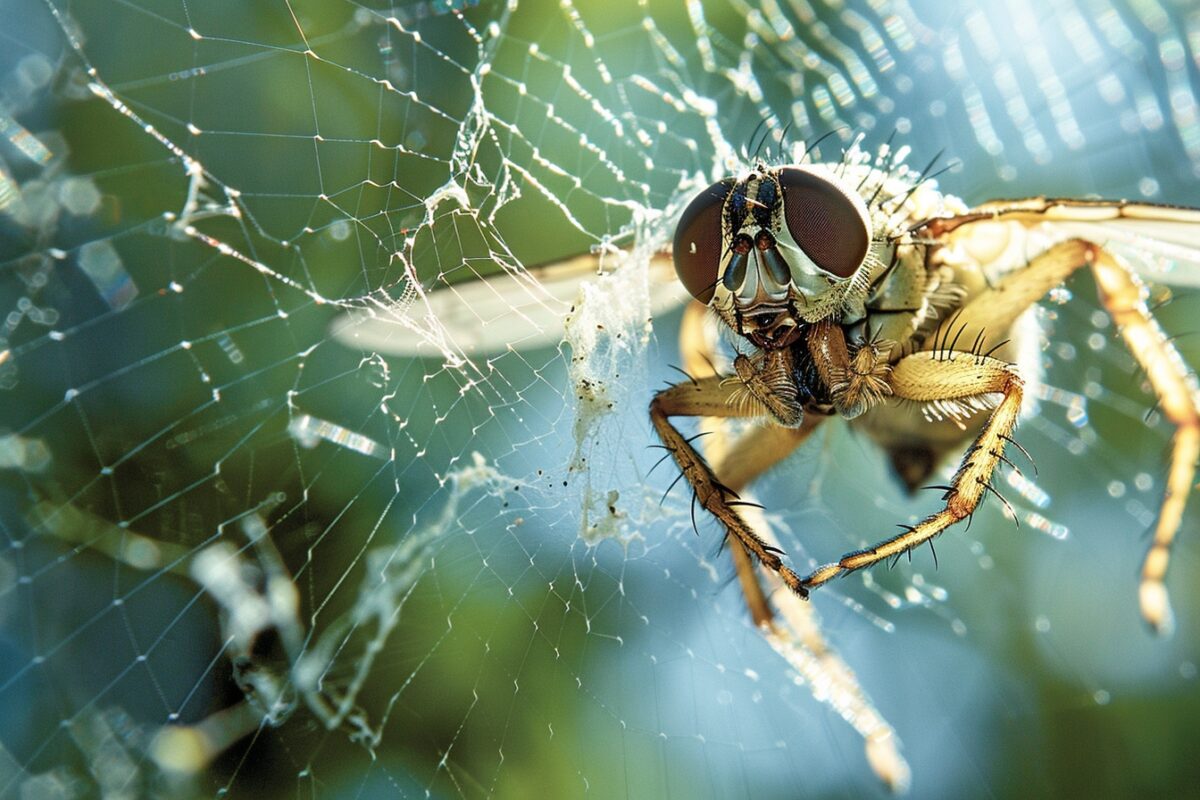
[247, 549]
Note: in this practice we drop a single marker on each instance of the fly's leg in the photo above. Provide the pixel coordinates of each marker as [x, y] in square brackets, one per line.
[738, 461]
[946, 379]
[856, 382]
[789, 625]
[1124, 298]
[713, 396]
[989, 315]
[749, 456]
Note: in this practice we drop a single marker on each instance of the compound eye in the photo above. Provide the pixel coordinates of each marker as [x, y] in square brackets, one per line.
[697, 246]
[830, 225]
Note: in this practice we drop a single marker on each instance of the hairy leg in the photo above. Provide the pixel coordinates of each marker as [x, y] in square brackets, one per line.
[946, 379]
[747, 457]
[713, 397]
[789, 624]
[1175, 386]
[989, 315]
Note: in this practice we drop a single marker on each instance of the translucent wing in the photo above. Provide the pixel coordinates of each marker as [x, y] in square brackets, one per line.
[524, 309]
[1160, 242]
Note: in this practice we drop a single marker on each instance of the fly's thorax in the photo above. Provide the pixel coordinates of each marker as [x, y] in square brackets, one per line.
[905, 297]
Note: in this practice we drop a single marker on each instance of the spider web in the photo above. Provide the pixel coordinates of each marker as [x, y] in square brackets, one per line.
[314, 483]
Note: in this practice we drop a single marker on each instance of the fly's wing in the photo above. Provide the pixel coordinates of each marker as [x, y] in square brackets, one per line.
[523, 310]
[1160, 242]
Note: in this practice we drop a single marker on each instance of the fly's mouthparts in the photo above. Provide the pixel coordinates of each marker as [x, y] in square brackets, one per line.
[767, 317]
[770, 328]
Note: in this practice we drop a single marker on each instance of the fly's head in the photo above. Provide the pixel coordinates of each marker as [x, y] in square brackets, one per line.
[776, 249]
